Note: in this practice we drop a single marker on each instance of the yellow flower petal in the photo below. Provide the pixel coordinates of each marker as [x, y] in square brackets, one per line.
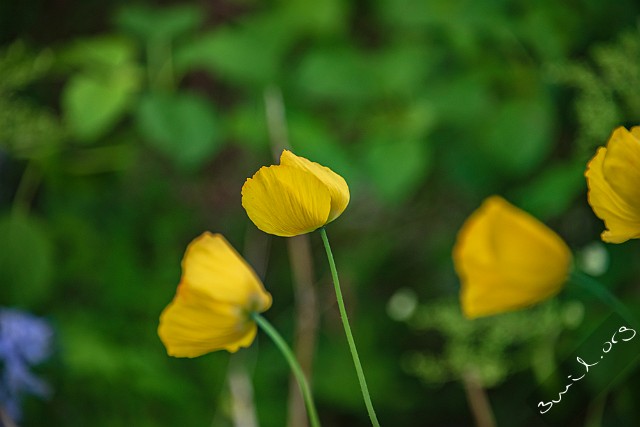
[213, 269]
[622, 166]
[337, 186]
[191, 327]
[286, 201]
[506, 260]
[613, 177]
[295, 197]
[211, 309]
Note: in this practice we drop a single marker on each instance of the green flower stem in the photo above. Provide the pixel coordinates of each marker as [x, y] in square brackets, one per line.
[293, 364]
[347, 330]
[26, 189]
[596, 288]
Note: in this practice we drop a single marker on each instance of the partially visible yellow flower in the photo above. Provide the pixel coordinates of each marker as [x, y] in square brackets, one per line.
[507, 259]
[211, 309]
[295, 197]
[613, 177]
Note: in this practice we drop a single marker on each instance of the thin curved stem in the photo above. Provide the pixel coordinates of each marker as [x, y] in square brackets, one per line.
[347, 330]
[478, 400]
[26, 189]
[596, 288]
[293, 364]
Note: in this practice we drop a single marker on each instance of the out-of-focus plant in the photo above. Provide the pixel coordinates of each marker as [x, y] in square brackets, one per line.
[482, 353]
[32, 134]
[25, 341]
[507, 260]
[96, 97]
[606, 85]
[27, 130]
[131, 74]
[488, 349]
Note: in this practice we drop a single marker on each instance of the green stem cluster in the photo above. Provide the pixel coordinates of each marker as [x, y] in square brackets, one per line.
[347, 330]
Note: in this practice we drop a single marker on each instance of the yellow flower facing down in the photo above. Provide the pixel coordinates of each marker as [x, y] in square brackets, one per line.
[295, 197]
[506, 260]
[613, 177]
[211, 309]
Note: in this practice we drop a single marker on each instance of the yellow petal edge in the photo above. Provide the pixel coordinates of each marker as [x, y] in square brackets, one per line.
[613, 178]
[507, 260]
[217, 292]
[337, 186]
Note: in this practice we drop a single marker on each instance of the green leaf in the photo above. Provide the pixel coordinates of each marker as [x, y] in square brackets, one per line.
[26, 261]
[99, 53]
[93, 105]
[155, 24]
[401, 69]
[383, 157]
[249, 53]
[320, 18]
[246, 124]
[553, 192]
[346, 74]
[182, 126]
[463, 166]
[338, 75]
[93, 160]
[519, 136]
[311, 138]
[548, 36]
[19, 66]
[28, 131]
[460, 98]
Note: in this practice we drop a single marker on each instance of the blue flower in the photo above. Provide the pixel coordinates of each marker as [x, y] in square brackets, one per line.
[25, 340]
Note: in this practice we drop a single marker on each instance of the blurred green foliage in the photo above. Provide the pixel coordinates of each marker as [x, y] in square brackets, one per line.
[605, 86]
[27, 129]
[489, 349]
[125, 131]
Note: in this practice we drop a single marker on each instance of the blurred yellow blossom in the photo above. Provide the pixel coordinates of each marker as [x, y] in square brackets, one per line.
[613, 177]
[217, 293]
[507, 259]
[295, 197]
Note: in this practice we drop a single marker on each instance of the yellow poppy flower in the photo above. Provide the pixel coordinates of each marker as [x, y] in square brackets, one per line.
[295, 197]
[211, 309]
[506, 260]
[613, 177]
